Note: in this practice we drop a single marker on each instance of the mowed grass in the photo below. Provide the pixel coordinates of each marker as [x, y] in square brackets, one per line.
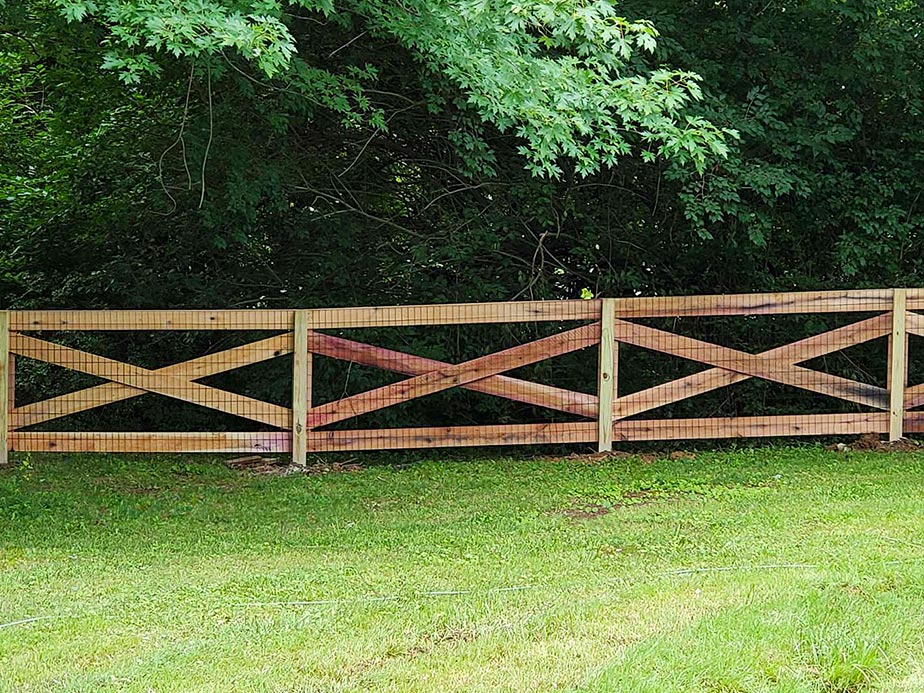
[774, 569]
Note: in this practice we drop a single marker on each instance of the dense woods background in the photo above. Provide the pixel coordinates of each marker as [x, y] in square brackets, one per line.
[248, 154]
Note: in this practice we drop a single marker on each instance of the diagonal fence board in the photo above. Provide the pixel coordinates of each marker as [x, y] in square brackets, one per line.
[914, 396]
[151, 381]
[194, 369]
[914, 323]
[546, 396]
[779, 370]
[455, 375]
[715, 378]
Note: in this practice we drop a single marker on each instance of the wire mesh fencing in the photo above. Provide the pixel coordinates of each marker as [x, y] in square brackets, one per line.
[600, 372]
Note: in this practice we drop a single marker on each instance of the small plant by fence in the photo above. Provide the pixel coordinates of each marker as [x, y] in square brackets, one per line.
[598, 329]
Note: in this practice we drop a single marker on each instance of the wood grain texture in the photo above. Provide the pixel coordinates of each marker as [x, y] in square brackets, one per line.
[546, 396]
[61, 441]
[454, 375]
[194, 369]
[751, 427]
[898, 367]
[606, 413]
[56, 320]
[858, 301]
[914, 422]
[715, 378]
[11, 386]
[455, 314]
[606, 379]
[301, 382]
[453, 436]
[864, 300]
[914, 322]
[768, 368]
[151, 381]
[4, 387]
[914, 396]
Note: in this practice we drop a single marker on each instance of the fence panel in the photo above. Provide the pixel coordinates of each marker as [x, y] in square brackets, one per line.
[504, 351]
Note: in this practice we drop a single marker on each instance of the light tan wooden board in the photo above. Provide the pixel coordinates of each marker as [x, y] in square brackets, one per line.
[751, 427]
[301, 388]
[452, 436]
[914, 322]
[857, 301]
[864, 300]
[60, 441]
[455, 314]
[147, 320]
[454, 376]
[194, 369]
[320, 318]
[606, 377]
[11, 386]
[773, 368]
[898, 365]
[524, 391]
[151, 381]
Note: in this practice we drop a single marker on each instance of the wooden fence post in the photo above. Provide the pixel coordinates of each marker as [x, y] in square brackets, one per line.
[606, 375]
[898, 364]
[4, 386]
[301, 388]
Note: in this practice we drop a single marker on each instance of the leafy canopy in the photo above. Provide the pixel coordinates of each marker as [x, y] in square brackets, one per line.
[565, 76]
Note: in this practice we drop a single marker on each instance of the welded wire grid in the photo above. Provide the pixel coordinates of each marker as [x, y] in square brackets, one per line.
[597, 373]
[705, 377]
[453, 375]
[140, 381]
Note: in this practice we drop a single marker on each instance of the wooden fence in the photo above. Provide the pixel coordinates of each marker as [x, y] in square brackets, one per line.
[603, 417]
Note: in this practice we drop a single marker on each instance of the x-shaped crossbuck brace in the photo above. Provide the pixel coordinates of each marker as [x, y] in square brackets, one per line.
[482, 374]
[733, 366]
[127, 381]
[178, 380]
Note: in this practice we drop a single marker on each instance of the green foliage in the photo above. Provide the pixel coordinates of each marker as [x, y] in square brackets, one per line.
[383, 162]
[554, 71]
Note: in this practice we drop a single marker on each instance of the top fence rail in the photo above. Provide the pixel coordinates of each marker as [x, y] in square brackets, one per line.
[855, 301]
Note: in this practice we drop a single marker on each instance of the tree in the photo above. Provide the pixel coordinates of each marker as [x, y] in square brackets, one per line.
[364, 170]
[562, 74]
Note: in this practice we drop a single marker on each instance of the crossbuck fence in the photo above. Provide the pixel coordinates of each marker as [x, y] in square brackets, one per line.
[598, 332]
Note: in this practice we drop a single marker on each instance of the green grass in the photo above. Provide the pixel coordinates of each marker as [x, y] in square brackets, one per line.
[777, 569]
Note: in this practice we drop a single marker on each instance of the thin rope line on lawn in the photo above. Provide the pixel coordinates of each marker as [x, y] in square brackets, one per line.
[433, 593]
[517, 588]
[28, 620]
[722, 569]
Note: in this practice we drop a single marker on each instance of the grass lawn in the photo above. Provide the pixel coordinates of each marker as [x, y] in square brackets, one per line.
[776, 569]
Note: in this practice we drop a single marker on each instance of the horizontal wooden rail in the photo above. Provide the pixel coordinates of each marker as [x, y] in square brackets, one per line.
[751, 427]
[855, 301]
[454, 436]
[152, 442]
[606, 416]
